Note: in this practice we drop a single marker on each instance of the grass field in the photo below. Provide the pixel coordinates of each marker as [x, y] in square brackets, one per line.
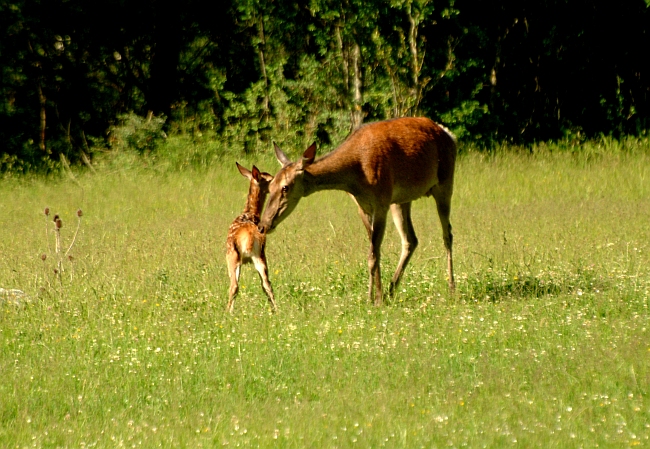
[546, 343]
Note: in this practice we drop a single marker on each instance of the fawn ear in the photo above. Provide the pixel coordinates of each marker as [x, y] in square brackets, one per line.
[282, 158]
[307, 157]
[244, 171]
[256, 173]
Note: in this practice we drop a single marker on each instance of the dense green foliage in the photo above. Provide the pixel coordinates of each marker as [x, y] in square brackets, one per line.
[545, 345]
[257, 70]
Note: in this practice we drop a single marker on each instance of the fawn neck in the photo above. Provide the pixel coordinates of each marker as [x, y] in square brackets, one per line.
[255, 201]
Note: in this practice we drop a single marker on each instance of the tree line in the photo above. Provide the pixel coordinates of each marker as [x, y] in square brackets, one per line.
[245, 72]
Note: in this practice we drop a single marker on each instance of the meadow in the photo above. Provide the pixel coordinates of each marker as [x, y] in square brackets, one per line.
[546, 342]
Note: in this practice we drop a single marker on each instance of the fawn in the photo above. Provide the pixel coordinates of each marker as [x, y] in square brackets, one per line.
[245, 242]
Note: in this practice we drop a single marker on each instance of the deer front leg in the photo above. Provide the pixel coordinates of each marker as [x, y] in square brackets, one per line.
[262, 269]
[365, 218]
[234, 266]
[374, 257]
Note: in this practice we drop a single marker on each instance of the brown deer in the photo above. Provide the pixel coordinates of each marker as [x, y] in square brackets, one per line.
[383, 165]
[245, 241]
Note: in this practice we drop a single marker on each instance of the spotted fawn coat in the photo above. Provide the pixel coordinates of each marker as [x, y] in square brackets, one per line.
[245, 242]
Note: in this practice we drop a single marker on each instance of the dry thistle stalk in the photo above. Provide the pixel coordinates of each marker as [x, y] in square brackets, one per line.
[74, 239]
[47, 214]
[58, 249]
[58, 224]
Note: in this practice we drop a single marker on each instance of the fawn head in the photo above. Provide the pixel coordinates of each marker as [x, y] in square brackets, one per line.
[260, 181]
[287, 188]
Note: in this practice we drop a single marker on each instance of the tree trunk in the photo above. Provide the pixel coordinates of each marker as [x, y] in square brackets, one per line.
[357, 97]
[344, 59]
[493, 75]
[42, 100]
[416, 89]
[163, 91]
[262, 37]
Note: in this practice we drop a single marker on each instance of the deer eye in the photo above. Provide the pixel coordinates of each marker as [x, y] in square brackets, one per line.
[285, 189]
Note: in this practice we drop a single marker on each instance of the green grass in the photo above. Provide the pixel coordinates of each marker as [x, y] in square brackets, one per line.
[546, 343]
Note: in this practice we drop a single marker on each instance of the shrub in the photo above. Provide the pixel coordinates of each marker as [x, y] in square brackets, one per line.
[136, 133]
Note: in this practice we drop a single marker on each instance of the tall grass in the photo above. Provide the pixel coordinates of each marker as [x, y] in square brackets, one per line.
[545, 344]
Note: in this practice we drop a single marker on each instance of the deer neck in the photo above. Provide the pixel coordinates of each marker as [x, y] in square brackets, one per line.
[334, 171]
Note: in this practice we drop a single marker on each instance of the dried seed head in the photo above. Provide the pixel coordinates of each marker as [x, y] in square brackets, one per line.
[59, 223]
[47, 211]
[79, 213]
[70, 258]
[56, 217]
[43, 257]
[56, 271]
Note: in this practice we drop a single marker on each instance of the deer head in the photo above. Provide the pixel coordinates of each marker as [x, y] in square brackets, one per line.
[287, 188]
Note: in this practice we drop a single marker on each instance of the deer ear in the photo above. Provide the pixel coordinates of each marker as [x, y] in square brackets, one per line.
[244, 171]
[308, 157]
[282, 158]
[256, 173]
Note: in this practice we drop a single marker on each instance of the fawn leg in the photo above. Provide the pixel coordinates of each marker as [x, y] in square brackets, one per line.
[262, 269]
[234, 266]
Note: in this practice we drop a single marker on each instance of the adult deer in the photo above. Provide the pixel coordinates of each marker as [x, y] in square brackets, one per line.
[245, 242]
[383, 165]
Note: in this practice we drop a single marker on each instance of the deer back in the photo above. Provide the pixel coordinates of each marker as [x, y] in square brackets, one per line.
[393, 161]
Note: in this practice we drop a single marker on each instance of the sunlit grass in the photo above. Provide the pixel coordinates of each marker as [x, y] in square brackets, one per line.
[545, 344]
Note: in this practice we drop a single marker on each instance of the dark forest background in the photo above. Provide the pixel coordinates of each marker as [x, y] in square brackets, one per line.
[76, 76]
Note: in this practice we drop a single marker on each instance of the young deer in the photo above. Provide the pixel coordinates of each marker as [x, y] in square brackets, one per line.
[383, 166]
[245, 242]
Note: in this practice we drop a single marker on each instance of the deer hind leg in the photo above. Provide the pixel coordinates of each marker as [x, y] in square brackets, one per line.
[234, 266]
[262, 269]
[442, 195]
[402, 218]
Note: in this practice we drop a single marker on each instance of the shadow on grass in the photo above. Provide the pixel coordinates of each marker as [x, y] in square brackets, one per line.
[493, 287]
